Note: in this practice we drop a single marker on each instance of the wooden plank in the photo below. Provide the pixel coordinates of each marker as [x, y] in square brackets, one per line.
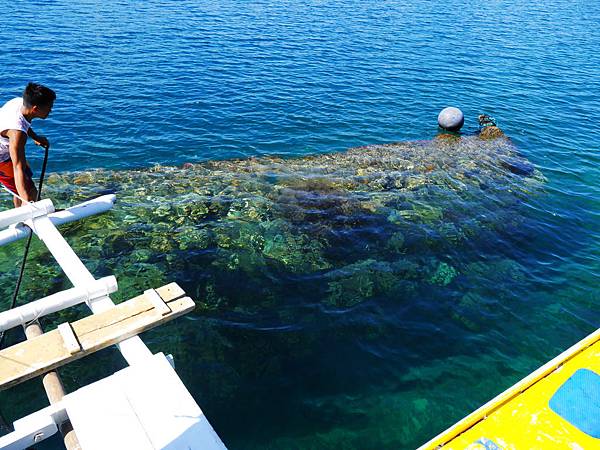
[34, 357]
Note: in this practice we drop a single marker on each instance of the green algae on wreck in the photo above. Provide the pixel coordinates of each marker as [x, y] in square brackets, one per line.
[358, 218]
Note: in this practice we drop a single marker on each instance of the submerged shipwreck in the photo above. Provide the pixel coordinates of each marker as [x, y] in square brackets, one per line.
[381, 220]
[368, 220]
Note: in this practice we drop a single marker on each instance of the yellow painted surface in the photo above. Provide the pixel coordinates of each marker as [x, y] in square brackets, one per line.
[521, 418]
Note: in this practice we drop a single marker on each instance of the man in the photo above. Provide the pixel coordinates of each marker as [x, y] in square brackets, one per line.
[15, 127]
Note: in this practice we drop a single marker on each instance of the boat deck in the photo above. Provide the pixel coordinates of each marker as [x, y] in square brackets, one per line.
[556, 407]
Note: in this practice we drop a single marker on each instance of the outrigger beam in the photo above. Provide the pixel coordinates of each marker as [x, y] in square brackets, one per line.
[146, 402]
[81, 211]
[44, 227]
[55, 302]
[13, 216]
[133, 350]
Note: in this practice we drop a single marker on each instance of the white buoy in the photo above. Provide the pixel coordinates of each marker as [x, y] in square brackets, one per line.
[451, 119]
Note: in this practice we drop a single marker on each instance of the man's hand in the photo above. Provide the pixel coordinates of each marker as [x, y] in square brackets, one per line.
[42, 141]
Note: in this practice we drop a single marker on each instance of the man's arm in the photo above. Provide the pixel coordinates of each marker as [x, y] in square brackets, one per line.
[17, 140]
[42, 141]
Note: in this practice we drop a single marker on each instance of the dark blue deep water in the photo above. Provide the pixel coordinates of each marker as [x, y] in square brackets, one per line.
[141, 84]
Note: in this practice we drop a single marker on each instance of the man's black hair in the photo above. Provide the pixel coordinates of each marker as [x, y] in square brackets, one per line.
[38, 95]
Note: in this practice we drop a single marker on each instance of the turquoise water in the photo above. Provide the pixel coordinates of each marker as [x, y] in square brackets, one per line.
[284, 363]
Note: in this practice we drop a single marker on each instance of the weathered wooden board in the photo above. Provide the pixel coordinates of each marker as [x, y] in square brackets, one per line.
[34, 357]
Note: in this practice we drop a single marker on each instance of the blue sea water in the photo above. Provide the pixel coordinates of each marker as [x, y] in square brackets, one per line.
[170, 82]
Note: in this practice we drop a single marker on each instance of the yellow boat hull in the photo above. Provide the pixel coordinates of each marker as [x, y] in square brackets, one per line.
[555, 407]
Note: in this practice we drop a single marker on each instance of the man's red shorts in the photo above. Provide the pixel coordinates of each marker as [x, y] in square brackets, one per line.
[7, 175]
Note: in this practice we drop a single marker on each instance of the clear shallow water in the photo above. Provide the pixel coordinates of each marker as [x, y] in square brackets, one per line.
[180, 82]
